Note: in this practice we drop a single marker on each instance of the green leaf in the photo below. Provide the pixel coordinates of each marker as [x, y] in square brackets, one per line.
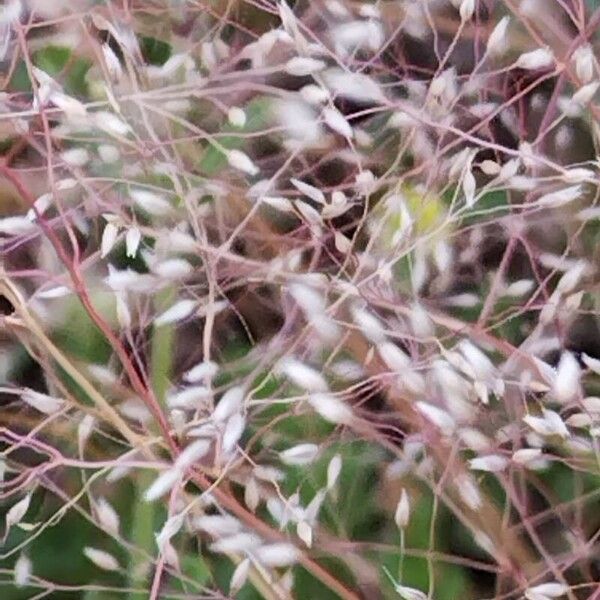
[257, 112]
[79, 336]
[196, 568]
[75, 80]
[490, 206]
[52, 59]
[155, 52]
[20, 82]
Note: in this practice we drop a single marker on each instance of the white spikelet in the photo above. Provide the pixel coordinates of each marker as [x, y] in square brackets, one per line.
[351, 36]
[550, 423]
[310, 300]
[236, 116]
[334, 468]
[107, 516]
[279, 203]
[302, 375]
[560, 197]
[234, 428]
[169, 529]
[191, 398]
[111, 124]
[580, 420]
[113, 64]
[252, 494]
[489, 167]
[365, 182]
[311, 511]
[277, 555]
[192, 454]
[526, 455]
[585, 94]
[394, 358]
[484, 541]
[42, 402]
[443, 256]
[509, 169]
[548, 590]
[337, 9]
[11, 12]
[566, 382]
[492, 463]
[407, 593]
[22, 571]
[108, 153]
[242, 162]
[555, 423]
[496, 44]
[84, 430]
[309, 190]
[240, 542]
[536, 59]
[205, 370]
[402, 514]
[592, 404]
[40, 206]
[474, 439]
[229, 404]
[218, 525]
[75, 157]
[17, 511]
[123, 313]
[162, 484]
[133, 237]
[299, 120]
[469, 188]
[569, 281]
[519, 288]
[152, 203]
[578, 175]
[239, 577]
[420, 322]
[479, 362]
[584, 63]
[337, 122]
[60, 291]
[440, 418]
[123, 281]
[355, 86]
[332, 409]
[310, 214]
[313, 94]
[591, 363]
[302, 454]
[173, 268]
[136, 410]
[73, 109]
[469, 492]
[301, 66]
[179, 311]
[101, 559]
[466, 10]
[16, 225]
[208, 55]
[109, 237]
[369, 325]
[305, 533]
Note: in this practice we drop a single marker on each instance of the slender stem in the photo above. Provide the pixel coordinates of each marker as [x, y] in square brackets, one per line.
[401, 561]
[142, 532]
[142, 536]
